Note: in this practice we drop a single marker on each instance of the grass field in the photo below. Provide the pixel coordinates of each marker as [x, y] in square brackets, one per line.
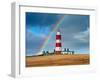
[57, 60]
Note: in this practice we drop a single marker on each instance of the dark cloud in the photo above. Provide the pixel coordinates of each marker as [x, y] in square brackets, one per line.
[41, 19]
[33, 43]
[80, 22]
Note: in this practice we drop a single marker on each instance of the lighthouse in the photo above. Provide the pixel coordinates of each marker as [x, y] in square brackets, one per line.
[58, 43]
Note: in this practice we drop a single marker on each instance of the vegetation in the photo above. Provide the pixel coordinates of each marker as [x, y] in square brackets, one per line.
[65, 51]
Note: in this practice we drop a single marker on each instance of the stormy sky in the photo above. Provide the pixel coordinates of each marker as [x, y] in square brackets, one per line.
[74, 30]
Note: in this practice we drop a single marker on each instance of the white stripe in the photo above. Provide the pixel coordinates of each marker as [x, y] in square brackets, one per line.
[58, 49]
[58, 41]
[58, 33]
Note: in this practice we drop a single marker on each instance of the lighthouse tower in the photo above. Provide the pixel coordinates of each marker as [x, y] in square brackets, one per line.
[58, 43]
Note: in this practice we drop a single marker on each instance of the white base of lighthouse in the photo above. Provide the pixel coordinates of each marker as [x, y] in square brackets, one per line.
[58, 50]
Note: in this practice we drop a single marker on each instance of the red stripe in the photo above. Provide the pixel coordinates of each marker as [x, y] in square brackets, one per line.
[58, 37]
[58, 44]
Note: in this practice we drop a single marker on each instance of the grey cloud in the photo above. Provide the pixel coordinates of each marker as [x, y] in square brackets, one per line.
[82, 36]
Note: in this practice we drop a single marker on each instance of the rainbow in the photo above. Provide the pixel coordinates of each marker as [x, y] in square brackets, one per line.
[55, 28]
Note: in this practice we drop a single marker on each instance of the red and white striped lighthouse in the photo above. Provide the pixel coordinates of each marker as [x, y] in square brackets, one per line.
[58, 43]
